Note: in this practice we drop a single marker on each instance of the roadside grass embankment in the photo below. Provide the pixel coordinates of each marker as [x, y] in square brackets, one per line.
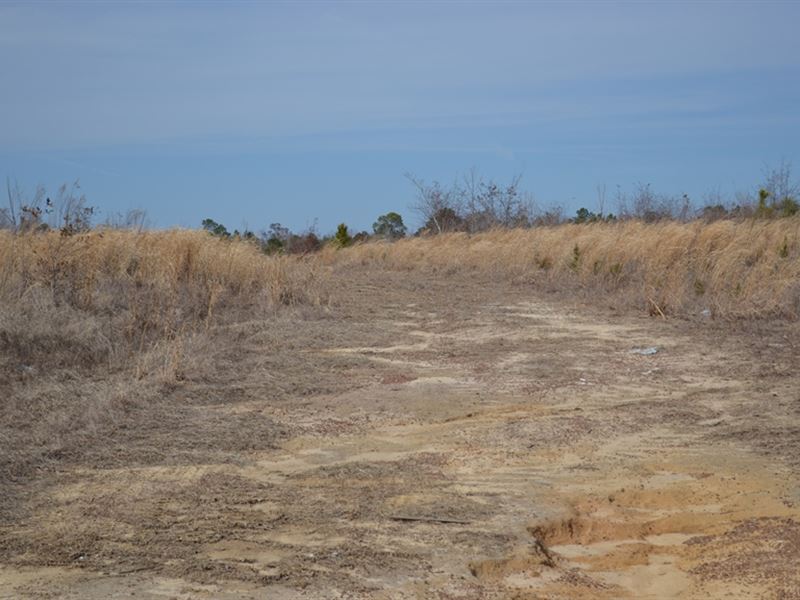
[95, 325]
[734, 269]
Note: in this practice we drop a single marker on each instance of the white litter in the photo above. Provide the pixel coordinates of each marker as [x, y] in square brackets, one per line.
[645, 351]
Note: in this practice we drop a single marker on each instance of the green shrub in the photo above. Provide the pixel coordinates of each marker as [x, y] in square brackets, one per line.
[763, 210]
[390, 226]
[214, 228]
[342, 238]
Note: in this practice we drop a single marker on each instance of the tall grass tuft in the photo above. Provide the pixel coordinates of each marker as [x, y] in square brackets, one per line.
[101, 295]
[744, 269]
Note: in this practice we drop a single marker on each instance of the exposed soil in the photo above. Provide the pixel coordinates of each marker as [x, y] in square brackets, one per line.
[436, 437]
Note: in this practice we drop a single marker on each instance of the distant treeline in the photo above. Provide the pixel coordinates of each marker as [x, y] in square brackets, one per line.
[471, 204]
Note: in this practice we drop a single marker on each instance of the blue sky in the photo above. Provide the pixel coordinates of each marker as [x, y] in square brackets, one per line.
[252, 113]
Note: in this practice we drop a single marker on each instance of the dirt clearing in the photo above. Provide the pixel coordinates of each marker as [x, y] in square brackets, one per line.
[442, 437]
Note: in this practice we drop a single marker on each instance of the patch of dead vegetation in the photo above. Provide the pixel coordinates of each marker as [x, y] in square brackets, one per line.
[735, 269]
[760, 552]
[279, 465]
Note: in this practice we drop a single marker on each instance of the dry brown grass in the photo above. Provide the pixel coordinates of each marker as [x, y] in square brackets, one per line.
[85, 270]
[109, 297]
[744, 269]
[100, 296]
[94, 326]
[102, 333]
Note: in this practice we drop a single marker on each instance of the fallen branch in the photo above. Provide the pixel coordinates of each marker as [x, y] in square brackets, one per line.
[656, 309]
[429, 519]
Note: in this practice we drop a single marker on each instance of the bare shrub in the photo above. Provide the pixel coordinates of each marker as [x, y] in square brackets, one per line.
[646, 205]
[471, 204]
[779, 184]
[135, 219]
[68, 212]
[438, 206]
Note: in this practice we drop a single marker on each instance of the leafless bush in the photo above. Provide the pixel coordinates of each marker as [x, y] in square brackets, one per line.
[778, 182]
[22, 213]
[280, 240]
[68, 212]
[646, 205]
[439, 206]
[471, 204]
[134, 219]
[487, 205]
[553, 215]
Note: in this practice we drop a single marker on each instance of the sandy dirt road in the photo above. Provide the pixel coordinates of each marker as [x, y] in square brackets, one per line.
[446, 437]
